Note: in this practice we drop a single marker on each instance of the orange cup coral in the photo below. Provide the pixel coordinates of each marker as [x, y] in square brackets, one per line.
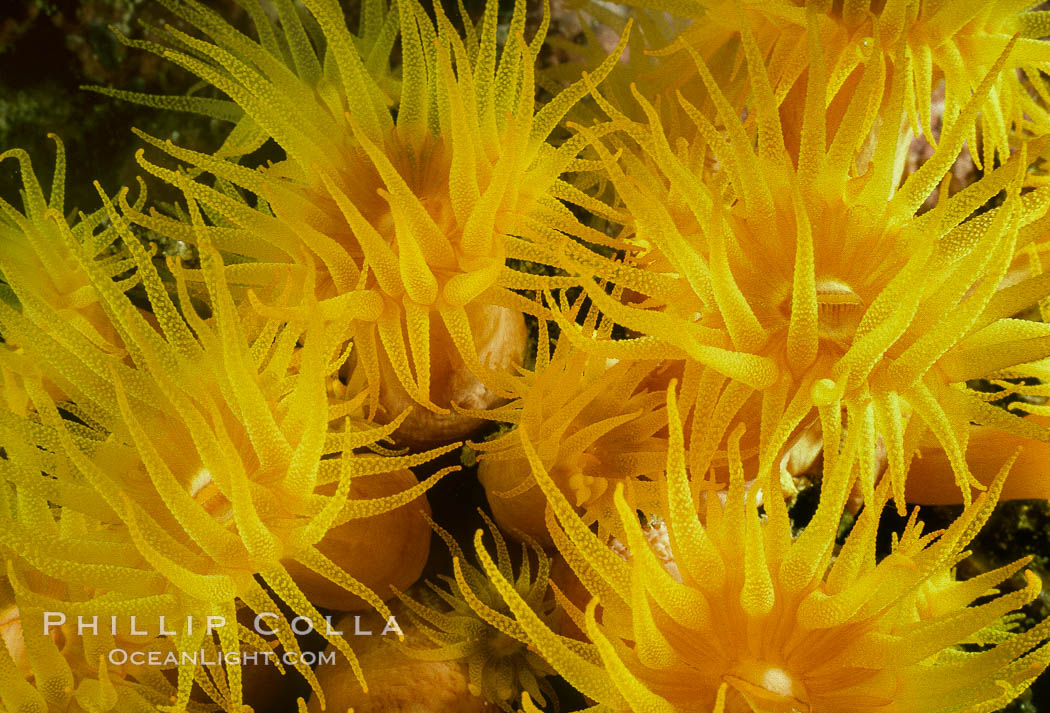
[408, 222]
[921, 43]
[211, 460]
[593, 424]
[470, 625]
[39, 265]
[225, 443]
[815, 284]
[761, 620]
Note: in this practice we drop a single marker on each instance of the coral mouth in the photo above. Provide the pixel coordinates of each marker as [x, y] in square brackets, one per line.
[768, 688]
[839, 310]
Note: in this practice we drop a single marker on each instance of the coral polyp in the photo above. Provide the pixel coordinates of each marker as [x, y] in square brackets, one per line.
[408, 222]
[47, 666]
[211, 458]
[593, 424]
[760, 620]
[922, 44]
[38, 264]
[815, 283]
[468, 622]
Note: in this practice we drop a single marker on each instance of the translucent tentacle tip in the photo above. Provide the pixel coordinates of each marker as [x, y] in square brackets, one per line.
[825, 392]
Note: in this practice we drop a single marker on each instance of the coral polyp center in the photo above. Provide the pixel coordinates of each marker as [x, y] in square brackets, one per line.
[768, 688]
[418, 225]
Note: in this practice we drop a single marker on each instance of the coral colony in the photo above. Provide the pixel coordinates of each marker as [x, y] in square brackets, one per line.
[637, 291]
